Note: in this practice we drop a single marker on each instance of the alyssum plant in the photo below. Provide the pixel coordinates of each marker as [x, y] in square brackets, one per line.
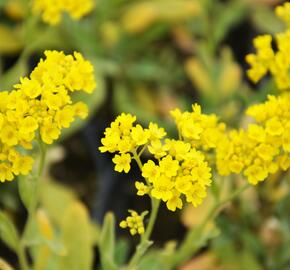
[179, 171]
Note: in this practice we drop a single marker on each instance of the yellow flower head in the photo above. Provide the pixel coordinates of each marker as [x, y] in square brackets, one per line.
[41, 104]
[134, 223]
[178, 170]
[262, 148]
[266, 60]
[51, 10]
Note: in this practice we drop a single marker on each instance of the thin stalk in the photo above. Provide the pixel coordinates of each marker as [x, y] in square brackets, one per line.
[139, 163]
[188, 248]
[155, 207]
[32, 208]
[145, 239]
[145, 242]
[22, 257]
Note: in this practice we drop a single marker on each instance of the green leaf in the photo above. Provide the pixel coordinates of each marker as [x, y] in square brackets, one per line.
[107, 243]
[76, 230]
[8, 232]
[122, 251]
[12, 76]
[32, 235]
[27, 188]
[55, 199]
[265, 20]
[228, 15]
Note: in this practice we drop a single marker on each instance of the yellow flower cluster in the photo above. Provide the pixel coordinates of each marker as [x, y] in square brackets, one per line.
[201, 130]
[267, 60]
[123, 137]
[40, 106]
[178, 168]
[263, 147]
[51, 10]
[134, 223]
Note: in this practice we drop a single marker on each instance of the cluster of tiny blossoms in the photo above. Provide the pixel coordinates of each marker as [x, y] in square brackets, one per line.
[178, 169]
[39, 107]
[134, 223]
[264, 147]
[267, 60]
[201, 130]
[51, 10]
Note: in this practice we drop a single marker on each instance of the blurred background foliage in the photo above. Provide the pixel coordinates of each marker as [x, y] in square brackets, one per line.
[149, 57]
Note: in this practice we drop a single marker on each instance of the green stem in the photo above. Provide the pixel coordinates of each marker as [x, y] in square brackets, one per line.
[22, 257]
[32, 208]
[137, 159]
[155, 207]
[145, 240]
[188, 248]
[139, 163]
[142, 150]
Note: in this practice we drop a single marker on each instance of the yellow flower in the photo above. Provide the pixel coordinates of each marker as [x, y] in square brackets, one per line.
[134, 223]
[150, 171]
[122, 162]
[174, 202]
[28, 124]
[22, 165]
[155, 132]
[168, 166]
[284, 12]
[261, 149]
[49, 132]
[139, 135]
[31, 88]
[51, 10]
[180, 170]
[157, 149]
[196, 195]
[142, 189]
[5, 172]
[40, 104]
[65, 116]
[255, 173]
[266, 60]
[274, 127]
[162, 188]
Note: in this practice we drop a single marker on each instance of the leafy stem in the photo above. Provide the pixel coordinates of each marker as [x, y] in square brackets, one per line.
[145, 242]
[32, 208]
[188, 248]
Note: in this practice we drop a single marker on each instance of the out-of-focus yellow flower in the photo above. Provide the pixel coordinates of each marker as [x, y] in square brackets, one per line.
[110, 33]
[199, 75]
[14, 9]
[142, 15]
[51, 10]
[263, 147]
[267, 60]
[284, 13]
[44, 224]
[229, 79]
